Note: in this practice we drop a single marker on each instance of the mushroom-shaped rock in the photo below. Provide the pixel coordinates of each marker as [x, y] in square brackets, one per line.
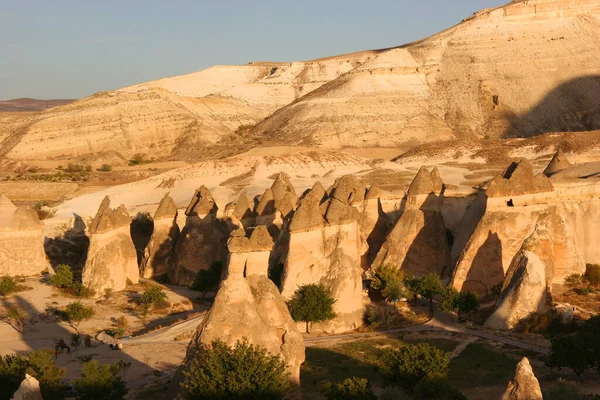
[202, 203]
[308, 216]
[558, 163]
[21, 240]
[518, 179]
[524, 385]
[112, 258]
[29, 389]
[160, 250]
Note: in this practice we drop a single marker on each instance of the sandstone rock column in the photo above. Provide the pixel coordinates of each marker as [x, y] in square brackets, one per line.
[159, 252]
[202, 240]
[21, 241]
[418, 243]
[111, 259]
[248, 305]
[524, 385]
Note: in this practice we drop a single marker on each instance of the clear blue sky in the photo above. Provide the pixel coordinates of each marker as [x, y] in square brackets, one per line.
[73, 48]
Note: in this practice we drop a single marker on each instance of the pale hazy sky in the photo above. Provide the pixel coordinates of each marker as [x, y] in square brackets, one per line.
[73, 48]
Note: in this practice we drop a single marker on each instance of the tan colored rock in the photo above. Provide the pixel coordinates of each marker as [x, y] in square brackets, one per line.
[249, 306]
[28, 390]
[112, 258]
[160, 250]
[524, 385]
[418, 243]
[308, 216]
[243, 208]
[266, 204]
[558, 163]
[317, 192]
[348, 190]
[21, 241]
[202, 240]
[518, 179]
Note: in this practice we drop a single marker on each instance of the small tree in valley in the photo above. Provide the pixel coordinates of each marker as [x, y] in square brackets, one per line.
[63, 277]
[75, 313]
[428, 287]
[17, 315]
[460, 301]
[352, 388]
[208, 279]
[242, 372]
[312, 303]
[390, 281]
[100, 382]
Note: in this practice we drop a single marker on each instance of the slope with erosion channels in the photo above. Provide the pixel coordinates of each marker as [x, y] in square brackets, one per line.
[518, 70]
[173, 116]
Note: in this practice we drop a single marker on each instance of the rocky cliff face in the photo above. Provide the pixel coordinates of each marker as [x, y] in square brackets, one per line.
[418, 243]
[326, 246]
[21, 241]
[524, 385]
[111, 259]
[202, 240]
[249, 306]
[159, 252]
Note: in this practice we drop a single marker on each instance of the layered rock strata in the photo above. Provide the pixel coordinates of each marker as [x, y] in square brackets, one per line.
[160, 250]
[21, 241]
[111, 260]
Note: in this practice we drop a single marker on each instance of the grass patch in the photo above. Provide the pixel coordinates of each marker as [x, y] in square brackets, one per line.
[478, 365]
[448, 345]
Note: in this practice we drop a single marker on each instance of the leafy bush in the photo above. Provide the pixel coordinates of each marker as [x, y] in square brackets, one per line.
[63, 277]
[438, 389]
[461, 301]
[137, 159]
[154, 297]
[41, 365]
[8, 285]
[592, 274]
[75, 313]
[390, 281]
[351, 388]
[578, 352]
[543, 323]
[208, 279]
[143, 223]
[312, 303]
[105, 168]
[99, 382]
[242, 372]
[428, 287]
[411, 364]
[585, 291]
[72, 167]
[573, 280]
[78, 290]
[12, 372]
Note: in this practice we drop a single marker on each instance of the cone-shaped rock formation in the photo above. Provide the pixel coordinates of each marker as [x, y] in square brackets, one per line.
[524, 385]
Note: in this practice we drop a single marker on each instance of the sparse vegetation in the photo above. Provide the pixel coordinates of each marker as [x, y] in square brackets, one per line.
[74, 313]
[461, 301]
[42, 210]
[428, 287]
[208, 279]
[118, 328]
[41, 365]
[105, 168]
[390, 281]
[152, 299]
[312, 303]
[436, 389]
[16, 316]
[573, 280]
[543, 323]
[580, 351]
[351, 388]
[137, 159]
[242, 372]
[592, 274]
[62, 278]
[8, 286]
[99, 382]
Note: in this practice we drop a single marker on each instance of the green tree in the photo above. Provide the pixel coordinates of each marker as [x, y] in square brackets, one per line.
[390, 281]
[312, 303]
[8, 285]
[74, 313]
[460, 301]
[17, 315]
[428, 287]
[410, 364]
[41, 365]
[568, 352]
[352, 388]
[99, 382]
[242, 372]
[437, 389]
[63, 276]
[208, 279]
[12, 372]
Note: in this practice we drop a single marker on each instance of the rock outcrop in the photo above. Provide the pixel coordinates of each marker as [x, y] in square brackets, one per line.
[160, 250]
[326, 247]
[28, 390]
[277, 202]
[558, 163]
[524, 385]
[21, 241]
[249, 306]
[112, 258]
[202, 240]
[418, 242]
[514, 202]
